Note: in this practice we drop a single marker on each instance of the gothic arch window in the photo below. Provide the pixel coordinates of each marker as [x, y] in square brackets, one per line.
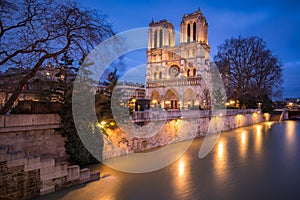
[194, 31]
[188, 73]
[194, 72]
[188, 32]
[155, 39]
[160, 38]
[150, 35]
[155, 76]
[160, 75]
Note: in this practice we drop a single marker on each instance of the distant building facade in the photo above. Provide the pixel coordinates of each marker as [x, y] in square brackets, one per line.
[37, 89]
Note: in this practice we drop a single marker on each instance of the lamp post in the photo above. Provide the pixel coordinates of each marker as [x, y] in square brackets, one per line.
[259, 105]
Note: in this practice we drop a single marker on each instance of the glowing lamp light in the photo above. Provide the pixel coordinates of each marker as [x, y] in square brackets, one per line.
[62, 76]
[112, 123]
[103, 123]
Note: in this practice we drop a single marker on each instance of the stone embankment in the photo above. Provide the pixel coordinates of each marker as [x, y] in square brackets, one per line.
[33, 158]
[132, 137]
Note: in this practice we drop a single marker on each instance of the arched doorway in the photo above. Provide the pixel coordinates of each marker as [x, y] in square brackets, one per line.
[171, 100]
[189, 99]
[155, 99]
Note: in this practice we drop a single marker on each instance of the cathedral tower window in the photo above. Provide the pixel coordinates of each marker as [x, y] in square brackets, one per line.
[160, 38]
[188, 33]
[188, 73]
[155, 39]
[194, 31]
[194, 72]
[155, 75]
[160, 75]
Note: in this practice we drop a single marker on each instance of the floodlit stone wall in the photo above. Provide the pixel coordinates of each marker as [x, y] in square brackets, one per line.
[193, 124]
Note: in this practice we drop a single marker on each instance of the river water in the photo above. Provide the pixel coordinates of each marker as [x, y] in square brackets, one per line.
[256, 162]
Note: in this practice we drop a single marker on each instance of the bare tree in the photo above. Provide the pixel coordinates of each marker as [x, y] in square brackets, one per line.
[33, 33]
[249, 69]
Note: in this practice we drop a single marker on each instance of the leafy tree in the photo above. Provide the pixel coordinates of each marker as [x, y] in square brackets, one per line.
[103, 98]
[33, 33]
[219, 98]
[74, 146]
[206, 98]
[249, 70]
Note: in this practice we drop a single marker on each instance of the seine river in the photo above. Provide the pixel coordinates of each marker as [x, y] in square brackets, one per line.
[256, 162]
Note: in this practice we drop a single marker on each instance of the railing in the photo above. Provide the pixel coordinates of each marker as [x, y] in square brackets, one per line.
[155, 115]
[185, 114]
[174, 82]
[293, 113]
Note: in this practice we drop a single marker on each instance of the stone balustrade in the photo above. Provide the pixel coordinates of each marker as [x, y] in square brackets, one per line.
[191, 81]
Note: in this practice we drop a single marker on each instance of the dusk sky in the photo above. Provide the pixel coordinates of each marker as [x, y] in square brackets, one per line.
[277, 22]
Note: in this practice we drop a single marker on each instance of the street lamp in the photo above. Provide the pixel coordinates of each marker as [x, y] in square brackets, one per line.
[259, 105]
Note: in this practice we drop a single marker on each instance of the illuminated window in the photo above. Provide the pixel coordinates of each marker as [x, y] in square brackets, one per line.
[187, 53]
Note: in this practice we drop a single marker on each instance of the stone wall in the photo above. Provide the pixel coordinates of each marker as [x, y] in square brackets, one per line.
[134, 138]
[33, 158]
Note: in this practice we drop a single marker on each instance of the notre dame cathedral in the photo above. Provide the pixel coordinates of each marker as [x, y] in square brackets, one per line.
[176, 74]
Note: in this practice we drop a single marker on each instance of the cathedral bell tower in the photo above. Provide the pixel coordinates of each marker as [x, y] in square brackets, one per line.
[194, 28]
[161, 34]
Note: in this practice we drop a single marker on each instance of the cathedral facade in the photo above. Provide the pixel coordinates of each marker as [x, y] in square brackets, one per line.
[176, 74]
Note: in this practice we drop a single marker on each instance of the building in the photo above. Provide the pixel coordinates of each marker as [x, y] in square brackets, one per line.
[43, 87]
[132, 95]
[176, 73]
[131, 90]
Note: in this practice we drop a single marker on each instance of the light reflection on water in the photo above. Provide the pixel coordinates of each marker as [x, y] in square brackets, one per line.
[243, 144]
[221, 161]
[181, 176]
[258, 139]
[256, 162]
